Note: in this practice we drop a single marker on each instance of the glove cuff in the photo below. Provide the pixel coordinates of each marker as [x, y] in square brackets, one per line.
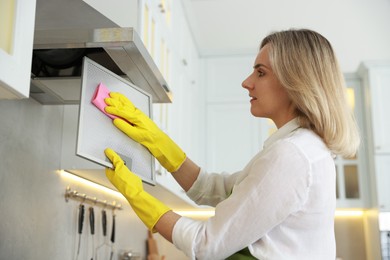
[148, 209]
[172, 161]
[168, 153]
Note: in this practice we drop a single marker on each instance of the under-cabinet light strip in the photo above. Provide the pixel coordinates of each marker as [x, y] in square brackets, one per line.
[187, 213]
[349, 213]
[196, 213]
[94, 185]
[210, 213]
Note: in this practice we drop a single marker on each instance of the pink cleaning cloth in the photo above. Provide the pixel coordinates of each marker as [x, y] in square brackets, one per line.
[98, 97]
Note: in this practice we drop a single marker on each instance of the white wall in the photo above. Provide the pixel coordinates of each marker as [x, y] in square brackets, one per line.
[233, 135]
[357, 29]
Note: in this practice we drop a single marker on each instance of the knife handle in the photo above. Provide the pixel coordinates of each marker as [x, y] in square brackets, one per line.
[92, 220]
[81, 218]
[104, 222]
[113, 229]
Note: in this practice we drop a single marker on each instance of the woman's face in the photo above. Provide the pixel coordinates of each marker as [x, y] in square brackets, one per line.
[268, 98]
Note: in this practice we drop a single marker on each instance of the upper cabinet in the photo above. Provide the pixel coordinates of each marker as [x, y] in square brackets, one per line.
[163, 29]
[382, 166]
[353, 182]
[16, 42]
[376, 81]
[156, 32]
[376, 76]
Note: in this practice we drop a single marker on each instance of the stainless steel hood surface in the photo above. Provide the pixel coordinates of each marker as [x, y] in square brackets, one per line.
[118, 49]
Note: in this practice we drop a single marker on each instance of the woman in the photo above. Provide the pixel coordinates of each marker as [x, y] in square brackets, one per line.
[281, 205]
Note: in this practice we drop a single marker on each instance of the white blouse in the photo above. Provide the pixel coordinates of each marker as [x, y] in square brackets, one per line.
[280, 206]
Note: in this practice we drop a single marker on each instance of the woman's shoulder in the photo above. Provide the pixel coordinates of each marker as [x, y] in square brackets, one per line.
[308, 143]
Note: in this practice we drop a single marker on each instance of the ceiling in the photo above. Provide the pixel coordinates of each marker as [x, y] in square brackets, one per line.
[230, 27]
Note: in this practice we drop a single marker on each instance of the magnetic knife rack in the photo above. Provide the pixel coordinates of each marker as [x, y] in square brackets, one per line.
[84, 198]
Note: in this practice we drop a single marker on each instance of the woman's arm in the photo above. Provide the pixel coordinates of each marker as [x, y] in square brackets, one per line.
[165, 224]
[187, 174]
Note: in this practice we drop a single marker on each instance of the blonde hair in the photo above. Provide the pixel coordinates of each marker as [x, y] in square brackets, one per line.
[305, 64]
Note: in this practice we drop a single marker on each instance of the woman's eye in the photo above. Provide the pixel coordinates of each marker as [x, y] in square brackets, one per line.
[260, 73]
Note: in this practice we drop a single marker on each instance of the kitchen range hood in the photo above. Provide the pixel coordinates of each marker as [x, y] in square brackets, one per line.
[58, 55]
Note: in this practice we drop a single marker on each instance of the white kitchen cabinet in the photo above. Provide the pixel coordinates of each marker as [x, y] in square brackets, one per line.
[382, 163]
[16, 43]
[376, 81]
[353, 177]
[163, 28]
[156, 32]
[167, 36]
[376, 77]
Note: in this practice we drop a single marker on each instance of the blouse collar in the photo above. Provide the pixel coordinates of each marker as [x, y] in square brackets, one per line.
[282, 132]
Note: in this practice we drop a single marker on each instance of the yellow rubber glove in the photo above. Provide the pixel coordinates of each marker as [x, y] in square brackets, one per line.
[143, 130]
[147, 207]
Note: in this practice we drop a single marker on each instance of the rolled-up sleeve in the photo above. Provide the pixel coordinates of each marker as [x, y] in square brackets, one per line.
[211, 188]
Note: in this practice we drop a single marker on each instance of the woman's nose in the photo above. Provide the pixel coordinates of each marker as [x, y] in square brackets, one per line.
[246, 83]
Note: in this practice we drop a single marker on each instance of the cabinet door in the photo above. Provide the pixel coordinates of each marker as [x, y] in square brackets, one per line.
[156, 31]
[382, 163]
[162, 26]
[353, 180]
[380, 96]
[16, 42]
